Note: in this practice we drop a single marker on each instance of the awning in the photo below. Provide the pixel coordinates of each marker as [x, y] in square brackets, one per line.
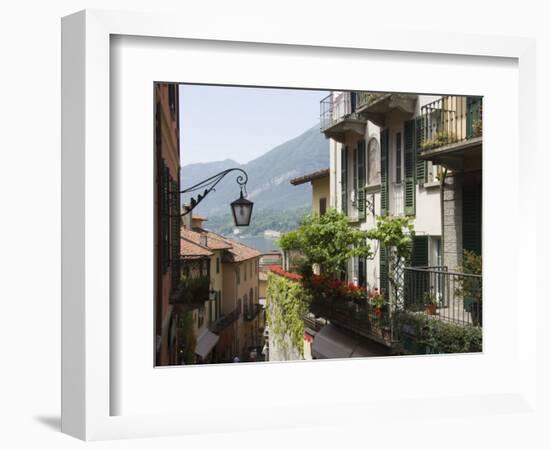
[332, 342]
[205, 343]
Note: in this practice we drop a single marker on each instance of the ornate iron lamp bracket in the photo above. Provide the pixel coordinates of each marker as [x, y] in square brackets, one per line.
[209, 185]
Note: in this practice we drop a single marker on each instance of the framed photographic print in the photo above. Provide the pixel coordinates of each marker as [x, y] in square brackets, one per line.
[260, 218]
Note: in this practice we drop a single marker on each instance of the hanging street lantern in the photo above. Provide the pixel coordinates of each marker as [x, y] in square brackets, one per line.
[242, 211]
[241, 208]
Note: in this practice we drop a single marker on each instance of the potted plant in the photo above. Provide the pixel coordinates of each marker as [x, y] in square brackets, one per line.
[477, 128]
[377, 301]
[430, 303]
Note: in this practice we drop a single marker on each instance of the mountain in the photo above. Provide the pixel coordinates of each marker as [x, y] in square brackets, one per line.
[268, 183]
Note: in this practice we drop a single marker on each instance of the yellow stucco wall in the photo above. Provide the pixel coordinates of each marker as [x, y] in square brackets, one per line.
[320, 188]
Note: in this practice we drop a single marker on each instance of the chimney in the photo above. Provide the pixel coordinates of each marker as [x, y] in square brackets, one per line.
[204, 240]
[186, 220]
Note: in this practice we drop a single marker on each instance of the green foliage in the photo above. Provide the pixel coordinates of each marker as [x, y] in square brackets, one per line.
[477, 128]
[470, 287]
[429, 298]
[435, 335]
[194, 289]
[395, 233]
[287, 302]
[367, 98]
[471, 263]
[439, 139]
[187, 338]
[327, 240]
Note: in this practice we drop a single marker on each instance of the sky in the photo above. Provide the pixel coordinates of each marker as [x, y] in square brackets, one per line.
[220, 122]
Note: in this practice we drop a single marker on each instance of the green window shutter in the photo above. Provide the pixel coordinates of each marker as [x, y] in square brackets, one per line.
[355, 182]
[384, 280]
[410, 186]
[420, 163]
[344, 179]
[417, 283]
[362, 269]
[361, 175]
[419, 255]
[384, 194]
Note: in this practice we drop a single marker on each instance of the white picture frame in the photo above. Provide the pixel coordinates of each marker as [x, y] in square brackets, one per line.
[88, 386]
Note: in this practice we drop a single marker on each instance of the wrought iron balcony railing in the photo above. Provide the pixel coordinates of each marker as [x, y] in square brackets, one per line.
[357, 316]
[433, 292]
[336, 107]
[450, 120]
[449, 296]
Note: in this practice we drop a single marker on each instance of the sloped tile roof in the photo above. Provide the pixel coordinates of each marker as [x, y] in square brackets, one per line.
[240, 252]
[236, 252]
[192, 250]
[310, 177]
[213, 242]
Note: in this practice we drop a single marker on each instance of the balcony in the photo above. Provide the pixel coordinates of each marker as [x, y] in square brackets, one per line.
[448, 296]
[338, 116]
[358, 317]
[374, 106]
[251, 312]
[224, 321]
[421, 295]
[452, 129]
[191, 292]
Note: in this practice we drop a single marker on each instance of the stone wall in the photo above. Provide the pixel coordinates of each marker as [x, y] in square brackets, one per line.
[452, 222]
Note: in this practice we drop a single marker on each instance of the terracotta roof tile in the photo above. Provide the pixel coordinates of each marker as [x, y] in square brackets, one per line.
[237, 251]
[213, 242]
[191, 250]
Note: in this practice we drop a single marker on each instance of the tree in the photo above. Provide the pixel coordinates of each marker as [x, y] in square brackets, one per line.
[327, 240]
[396, 235]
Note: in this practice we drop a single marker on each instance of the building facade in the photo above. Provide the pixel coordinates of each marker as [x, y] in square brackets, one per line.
[379, 167]
[320, 189]
[241, 291]
[167, 225]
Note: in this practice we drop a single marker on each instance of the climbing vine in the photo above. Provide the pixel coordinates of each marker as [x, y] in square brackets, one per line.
[286, 304]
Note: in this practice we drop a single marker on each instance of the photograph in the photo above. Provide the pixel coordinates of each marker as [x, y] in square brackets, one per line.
[303, 224]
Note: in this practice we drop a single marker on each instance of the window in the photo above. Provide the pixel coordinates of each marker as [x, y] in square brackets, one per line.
[322, 206]
[238, 275]
[218, 264]
[398, 159]
[373, 163]
[245, 267]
